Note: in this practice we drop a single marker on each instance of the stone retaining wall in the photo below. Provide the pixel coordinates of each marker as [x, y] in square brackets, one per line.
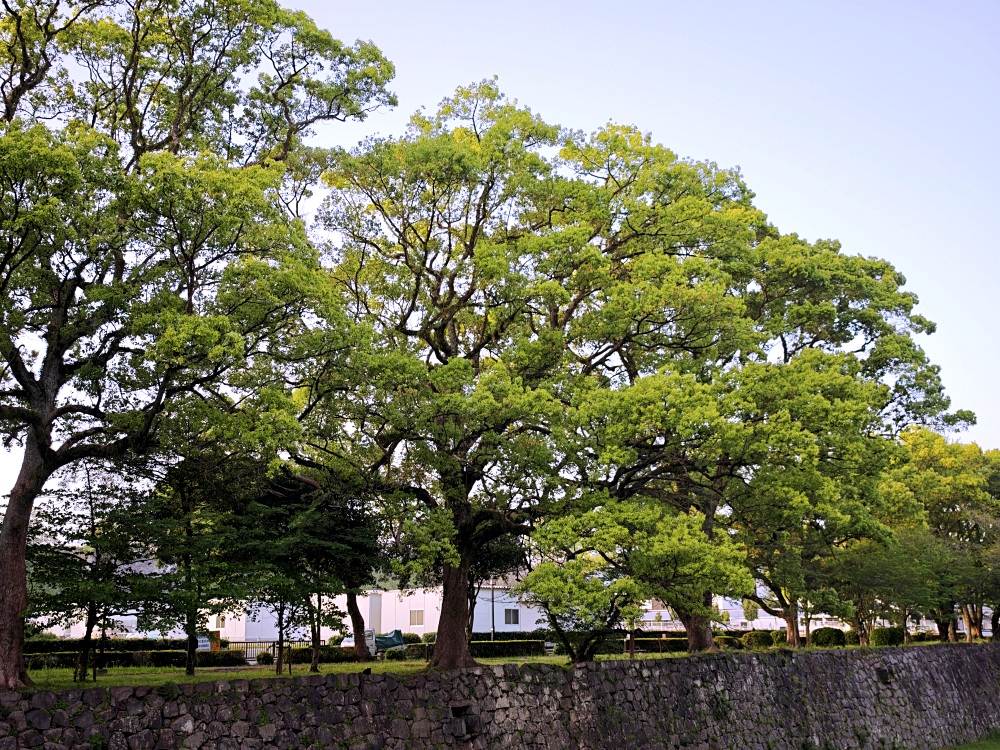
[907, 698]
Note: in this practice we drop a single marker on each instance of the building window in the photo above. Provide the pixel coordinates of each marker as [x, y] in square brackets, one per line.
[220, 622]
[511, 617]
[416, 618]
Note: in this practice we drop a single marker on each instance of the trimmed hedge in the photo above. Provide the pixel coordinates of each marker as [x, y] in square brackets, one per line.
[416, 651]
[497, 649]
[728, 641]
[234, 658]
[265, 658]
[779, 637]
[327, 655]
[478, 649]
[607, 646]
[828, 638]
[412, 638]
[516, 635]
[758, 639]
[851, 638]
[886, 637]
[661, 645]
[48, 646]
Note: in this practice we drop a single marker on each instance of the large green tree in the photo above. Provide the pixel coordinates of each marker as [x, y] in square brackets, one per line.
[495, 280]
[143, 256]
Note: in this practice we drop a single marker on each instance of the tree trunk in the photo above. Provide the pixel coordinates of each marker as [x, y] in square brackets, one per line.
[314, 662]
[451, 649]
[791, 617]
[279, 660]
[808, 619]
[952, 631]
[83, 660]
[859, 626]
[190, 629]
[361, 651]
[698, 627]
[942, 628]
[473, 597]
[13, 573]
[995, 623]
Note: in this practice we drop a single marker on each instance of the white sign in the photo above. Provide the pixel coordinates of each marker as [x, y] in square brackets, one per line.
[204, 644]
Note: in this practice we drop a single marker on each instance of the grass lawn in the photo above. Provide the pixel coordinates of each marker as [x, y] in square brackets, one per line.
[62, 679]
[991, 744]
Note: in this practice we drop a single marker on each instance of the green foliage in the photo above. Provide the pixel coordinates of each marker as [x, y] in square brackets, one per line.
[758, 639]
[582, 650]
[264, 658]
[828, 638]
[222, 658]
[728, 641]
[886, 637]
[416, 651]
[660, 645]
[327, 655]
[506, 649]
[851, 638]
[397, 654]
[779, 638]
[412, 638]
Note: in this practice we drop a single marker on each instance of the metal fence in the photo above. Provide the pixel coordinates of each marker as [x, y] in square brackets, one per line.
[253, 648]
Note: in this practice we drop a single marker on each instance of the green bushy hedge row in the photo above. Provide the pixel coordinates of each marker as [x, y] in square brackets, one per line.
[48, 646]
[886, 637]
[497, 649]
[661, 645]
[234, 658]
[828, 637]
[479, 650]
[327, 655]
[758, 639]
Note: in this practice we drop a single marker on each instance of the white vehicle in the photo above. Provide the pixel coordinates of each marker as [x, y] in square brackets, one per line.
[348, 642]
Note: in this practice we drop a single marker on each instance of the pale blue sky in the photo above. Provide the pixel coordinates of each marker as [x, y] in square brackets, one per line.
[874, 123]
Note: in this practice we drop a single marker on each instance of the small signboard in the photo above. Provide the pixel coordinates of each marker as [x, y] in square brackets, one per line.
[203, 643]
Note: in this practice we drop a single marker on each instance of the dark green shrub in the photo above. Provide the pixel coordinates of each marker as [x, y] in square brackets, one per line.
[265, 658]
[921, 637]
[779, 638]
[141, 659]
[758, 639]
[396, 654]
[168, 658]
[608, 645]
[828, 638]
[728, 641]
[50, 660]
[660, 645]
[68, 659]
[507, 649]
[417, 651]
[412, 638]
[886, 637]
[431, 637]
[852, 638]
[515, 635]
[231, 658]
[111, 644]
[327, 655]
